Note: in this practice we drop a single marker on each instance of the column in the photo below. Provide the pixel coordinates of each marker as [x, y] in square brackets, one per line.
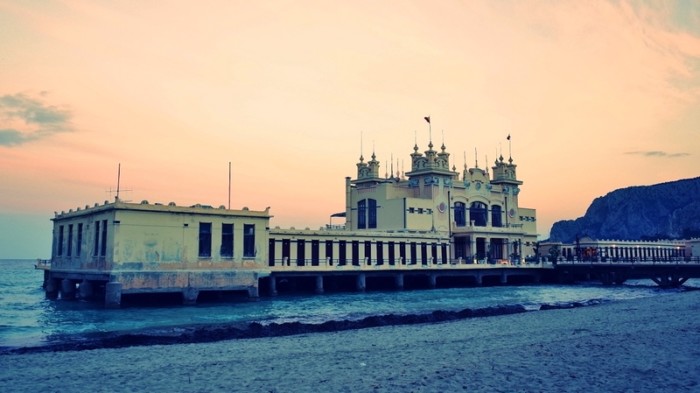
[432, 280]
[293, 246]
[273, 286]
[189, 296]
[472, 249]
[86, 289]
[52, 286]
[361, 282]
[398, 280]
[67, 289]
[113, 294]
[319, 284]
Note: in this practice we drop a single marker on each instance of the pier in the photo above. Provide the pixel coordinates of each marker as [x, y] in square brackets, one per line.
[370, 275]
[667, 273]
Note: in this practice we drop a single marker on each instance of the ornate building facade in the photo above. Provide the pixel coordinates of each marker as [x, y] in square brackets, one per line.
[431, 214]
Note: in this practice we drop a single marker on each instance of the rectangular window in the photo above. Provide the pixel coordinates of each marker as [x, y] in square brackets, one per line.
[314, 252]
[301, 252]
[96, 245]
[271, 253]
[380, 253]
[424, 253]
[286, 252]
[329, 250]
[342, 252]
[414, 253]
[355, 252]
[79, 243]
[226, 241]
[402, 252]
[445, 258]
[59, 250]
[70, 241]
[249, 240]
[103, 241]
[392, 256]
[204, 239]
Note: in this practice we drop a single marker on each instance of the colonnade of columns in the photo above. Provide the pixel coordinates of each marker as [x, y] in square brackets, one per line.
[625, 252]
[303, 252]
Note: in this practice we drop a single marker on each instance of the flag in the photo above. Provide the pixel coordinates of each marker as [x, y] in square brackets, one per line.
[508, 137]
[427, 118]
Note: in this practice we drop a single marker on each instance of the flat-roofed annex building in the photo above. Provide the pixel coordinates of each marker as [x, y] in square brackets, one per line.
[124, 248]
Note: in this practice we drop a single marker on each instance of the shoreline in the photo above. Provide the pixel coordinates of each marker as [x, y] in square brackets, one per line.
[208, 333]
[644, 345]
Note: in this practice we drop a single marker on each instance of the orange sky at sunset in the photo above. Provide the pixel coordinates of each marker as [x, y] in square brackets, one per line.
[596, 95]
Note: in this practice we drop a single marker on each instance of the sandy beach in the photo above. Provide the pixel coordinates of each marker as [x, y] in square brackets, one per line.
[644, 345]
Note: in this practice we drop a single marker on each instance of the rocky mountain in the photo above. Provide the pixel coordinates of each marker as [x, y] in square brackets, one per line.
[661, 211]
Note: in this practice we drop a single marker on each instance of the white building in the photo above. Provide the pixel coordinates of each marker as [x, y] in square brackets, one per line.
[429, 216]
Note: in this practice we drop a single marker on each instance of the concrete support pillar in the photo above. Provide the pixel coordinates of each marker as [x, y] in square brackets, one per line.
[479, 279]
[189, 296]
[319, 284]
[399, 281]
[273, 286]
[86, 289]
[504, 278]
[51, 288]
[253, 292]
[361, 282]
[67, 289]
[432, 280]
[113, 294]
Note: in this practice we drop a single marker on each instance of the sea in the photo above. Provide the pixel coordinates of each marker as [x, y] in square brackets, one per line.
[28, 319]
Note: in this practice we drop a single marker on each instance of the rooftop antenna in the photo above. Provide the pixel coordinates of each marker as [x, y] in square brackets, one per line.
[465, 160]
[229, 185]
[392, 164]
[361, 146]
[119, 177]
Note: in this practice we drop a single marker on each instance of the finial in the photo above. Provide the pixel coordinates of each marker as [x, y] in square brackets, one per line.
[476, 158]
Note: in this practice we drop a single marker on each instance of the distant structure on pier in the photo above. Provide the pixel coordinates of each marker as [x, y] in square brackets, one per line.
[430, 217]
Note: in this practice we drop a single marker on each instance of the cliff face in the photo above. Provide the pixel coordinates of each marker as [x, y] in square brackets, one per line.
[661, 211]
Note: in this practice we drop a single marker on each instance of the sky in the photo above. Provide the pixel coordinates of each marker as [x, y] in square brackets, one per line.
[596, 95]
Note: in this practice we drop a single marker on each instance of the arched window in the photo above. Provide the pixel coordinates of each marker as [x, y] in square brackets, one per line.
[367, 214]
[460, 214]
[496, 216]
[477, 213]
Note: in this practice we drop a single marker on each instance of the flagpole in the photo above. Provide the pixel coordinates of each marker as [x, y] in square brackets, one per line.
[430, 128]
[510, 153]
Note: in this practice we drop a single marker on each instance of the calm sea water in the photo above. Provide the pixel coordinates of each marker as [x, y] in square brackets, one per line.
[28, 319]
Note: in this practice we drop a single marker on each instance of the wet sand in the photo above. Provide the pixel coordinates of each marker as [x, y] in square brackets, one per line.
[643, 345]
